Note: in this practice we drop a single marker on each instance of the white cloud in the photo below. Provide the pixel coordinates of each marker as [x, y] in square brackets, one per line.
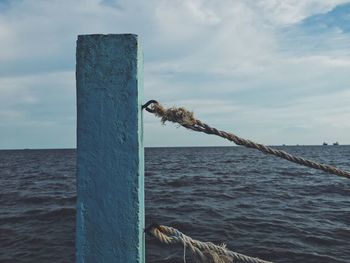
[37, 98]
[282, 12]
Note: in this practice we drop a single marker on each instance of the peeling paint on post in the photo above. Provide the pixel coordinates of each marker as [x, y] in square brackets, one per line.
[110, 162]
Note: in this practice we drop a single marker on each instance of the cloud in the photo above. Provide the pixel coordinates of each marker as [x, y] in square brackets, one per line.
[242, 65]
[37, 111]
[293, 11]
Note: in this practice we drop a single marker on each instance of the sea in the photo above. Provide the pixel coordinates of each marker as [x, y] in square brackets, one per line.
[256, 204]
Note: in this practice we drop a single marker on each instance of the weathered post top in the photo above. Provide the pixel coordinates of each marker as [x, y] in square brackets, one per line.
[110, 162]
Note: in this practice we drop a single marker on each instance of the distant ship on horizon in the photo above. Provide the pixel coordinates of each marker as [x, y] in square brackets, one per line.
[335, 143]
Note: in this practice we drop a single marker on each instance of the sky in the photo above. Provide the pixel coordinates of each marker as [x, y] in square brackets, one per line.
[273, 71]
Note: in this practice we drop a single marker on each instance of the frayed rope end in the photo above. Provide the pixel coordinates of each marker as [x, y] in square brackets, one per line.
[173, 114]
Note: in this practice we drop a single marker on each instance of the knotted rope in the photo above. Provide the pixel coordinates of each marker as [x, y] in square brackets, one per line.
[205, 251]
[186, 119]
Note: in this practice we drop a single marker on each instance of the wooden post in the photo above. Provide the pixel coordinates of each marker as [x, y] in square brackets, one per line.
[110, 162]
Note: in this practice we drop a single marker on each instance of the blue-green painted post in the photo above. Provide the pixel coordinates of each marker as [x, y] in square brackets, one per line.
[110, 162]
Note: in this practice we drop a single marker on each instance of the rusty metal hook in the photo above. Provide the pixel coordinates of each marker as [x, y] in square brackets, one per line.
[145, 106]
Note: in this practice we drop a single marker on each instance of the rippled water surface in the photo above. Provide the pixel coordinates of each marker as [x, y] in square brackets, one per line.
[258, 205]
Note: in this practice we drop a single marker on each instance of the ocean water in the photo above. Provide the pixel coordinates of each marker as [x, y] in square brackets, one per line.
[257, 204]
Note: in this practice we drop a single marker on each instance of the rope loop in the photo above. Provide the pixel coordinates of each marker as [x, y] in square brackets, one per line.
[205, 251]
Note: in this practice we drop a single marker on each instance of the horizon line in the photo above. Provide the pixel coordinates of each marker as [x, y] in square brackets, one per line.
[187, 146]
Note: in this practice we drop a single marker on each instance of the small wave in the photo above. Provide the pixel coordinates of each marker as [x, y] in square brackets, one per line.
[36, 200]
[183, 181]
[148, 174]
[60, 213]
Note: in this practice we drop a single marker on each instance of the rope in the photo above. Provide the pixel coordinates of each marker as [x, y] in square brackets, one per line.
[186, 119]
[205, 251]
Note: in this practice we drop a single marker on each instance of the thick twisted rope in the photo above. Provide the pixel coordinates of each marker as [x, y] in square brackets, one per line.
[186, 119]
[205, 251]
